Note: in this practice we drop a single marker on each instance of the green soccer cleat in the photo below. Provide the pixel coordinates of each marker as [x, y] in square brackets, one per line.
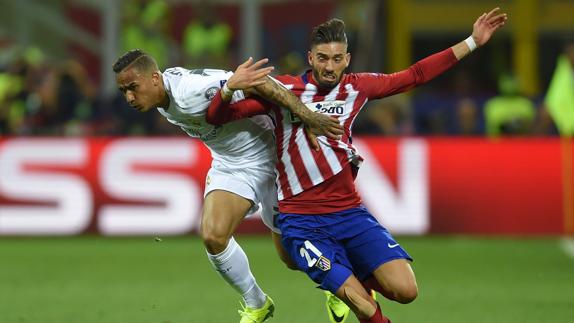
[257, 315]
[337, 309]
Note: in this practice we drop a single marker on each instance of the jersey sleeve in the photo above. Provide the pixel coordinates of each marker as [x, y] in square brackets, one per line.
[220, 112]
[193, 90]
[379, 85]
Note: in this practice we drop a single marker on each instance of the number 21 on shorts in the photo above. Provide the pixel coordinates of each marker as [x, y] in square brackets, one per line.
[304, 252]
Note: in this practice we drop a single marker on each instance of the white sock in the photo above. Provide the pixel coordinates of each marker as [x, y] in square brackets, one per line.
[232, 264]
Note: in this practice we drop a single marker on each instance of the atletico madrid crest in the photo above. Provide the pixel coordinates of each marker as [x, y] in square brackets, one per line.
[323, 263]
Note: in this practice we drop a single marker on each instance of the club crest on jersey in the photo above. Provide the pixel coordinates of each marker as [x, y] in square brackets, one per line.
[323, 263]
[210, 93]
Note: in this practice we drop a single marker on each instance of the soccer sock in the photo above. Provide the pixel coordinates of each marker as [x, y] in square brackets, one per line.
[378, 317]
[233, 265]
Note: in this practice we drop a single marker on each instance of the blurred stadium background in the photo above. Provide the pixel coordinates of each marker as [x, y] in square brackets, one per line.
[473, 171]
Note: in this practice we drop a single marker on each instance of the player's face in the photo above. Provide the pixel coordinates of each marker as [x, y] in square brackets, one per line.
[329, 62]
[142, 90]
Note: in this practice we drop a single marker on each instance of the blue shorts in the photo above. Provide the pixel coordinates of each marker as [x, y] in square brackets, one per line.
[331, 247]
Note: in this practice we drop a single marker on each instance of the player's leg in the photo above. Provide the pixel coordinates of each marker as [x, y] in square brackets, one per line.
[366, 309]
[337, 310]
[267, 193]
[379, 261]
[395, 280]
[283, 255]
[312, 245]
[331, 270]
[222, 213]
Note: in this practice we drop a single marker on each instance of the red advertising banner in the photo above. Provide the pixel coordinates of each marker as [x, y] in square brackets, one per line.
[154, 186]
[488, 186]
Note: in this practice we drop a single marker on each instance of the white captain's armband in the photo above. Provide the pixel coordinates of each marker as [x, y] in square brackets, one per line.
[333, 108]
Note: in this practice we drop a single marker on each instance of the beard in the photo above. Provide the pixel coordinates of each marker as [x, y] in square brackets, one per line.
[326, 84]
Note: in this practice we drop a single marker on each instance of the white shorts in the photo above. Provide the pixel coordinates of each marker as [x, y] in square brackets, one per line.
[254, 184]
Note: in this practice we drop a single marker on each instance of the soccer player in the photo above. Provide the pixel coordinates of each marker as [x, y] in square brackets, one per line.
[325, 229]
[242, 172]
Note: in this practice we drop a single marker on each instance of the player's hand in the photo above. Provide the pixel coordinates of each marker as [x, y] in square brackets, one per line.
[486, 25]
[312, 139]
[317, 124]
[249, 74]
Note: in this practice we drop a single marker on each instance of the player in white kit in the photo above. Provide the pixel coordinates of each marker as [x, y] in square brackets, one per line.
[242, 172]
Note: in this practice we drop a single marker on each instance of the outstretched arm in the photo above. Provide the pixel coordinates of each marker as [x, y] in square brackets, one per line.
[482, 30]
[382, 85]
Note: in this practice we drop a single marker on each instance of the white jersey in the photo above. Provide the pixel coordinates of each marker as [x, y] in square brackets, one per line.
[243, 143]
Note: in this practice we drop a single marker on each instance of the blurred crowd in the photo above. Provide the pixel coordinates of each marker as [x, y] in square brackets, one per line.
[44, 96]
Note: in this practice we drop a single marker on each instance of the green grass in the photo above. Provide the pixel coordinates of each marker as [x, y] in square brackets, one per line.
[94, 279]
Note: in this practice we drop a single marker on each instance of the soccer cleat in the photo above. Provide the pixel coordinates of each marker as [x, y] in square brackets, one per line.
[337, 309]
[257, 315]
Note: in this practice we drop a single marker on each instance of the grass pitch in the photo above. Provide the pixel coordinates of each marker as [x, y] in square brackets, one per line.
[97, 279]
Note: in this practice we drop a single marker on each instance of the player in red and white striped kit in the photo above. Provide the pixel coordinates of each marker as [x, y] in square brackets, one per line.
[325, 229]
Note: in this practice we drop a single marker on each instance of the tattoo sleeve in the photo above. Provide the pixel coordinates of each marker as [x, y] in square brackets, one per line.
[281, 96]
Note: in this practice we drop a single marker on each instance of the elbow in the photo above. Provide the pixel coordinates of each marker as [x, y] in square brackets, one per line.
[418, 74]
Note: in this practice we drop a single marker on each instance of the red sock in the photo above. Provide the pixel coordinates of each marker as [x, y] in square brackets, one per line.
[378, 317]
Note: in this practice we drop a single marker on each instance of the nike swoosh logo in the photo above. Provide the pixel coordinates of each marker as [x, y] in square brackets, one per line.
[392, 245]
[336, 317]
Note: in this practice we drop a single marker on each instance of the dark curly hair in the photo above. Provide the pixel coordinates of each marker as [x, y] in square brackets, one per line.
[137, 58]
[330, 31]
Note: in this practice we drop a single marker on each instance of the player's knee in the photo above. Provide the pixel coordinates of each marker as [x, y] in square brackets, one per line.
[282, 253]
[406, 293]
[215, 242]
[288, 262]
[291, 266]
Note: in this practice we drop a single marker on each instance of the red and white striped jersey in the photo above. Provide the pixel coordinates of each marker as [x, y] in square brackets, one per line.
[300, 169]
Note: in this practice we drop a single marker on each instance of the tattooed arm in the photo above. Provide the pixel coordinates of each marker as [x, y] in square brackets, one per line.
[252, 79]
[317, 123]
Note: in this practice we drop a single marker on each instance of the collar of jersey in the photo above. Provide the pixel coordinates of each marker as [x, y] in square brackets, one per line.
[307, 77]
